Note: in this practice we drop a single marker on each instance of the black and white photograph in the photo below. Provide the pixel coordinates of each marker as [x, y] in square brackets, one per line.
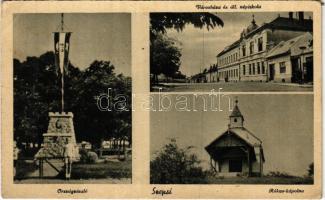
[236, 51]
[72, 98]
[232, 139]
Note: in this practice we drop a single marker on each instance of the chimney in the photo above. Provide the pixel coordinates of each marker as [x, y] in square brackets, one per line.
[290, 15]
[301, 16]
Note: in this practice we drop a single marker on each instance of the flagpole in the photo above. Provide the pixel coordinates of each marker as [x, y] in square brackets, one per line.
[62, 74]
[62, 92]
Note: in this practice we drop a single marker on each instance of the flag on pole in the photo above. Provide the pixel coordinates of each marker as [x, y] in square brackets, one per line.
[61, 48]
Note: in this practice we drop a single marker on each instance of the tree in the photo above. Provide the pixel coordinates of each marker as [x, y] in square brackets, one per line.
[162, 48]
[174, 165]
[159, 22]
[311, 169]
[164, 57]
[37, 92]
[33, 98]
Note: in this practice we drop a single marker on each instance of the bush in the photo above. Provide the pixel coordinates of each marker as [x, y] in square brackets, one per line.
[174, 165]
[311, 169]
[279, 174]
[83, 155]
[87, 156]
[92, 157]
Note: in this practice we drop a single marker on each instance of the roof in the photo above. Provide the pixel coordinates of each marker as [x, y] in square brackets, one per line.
[236, 112]
[230, 47]
[285, 23]
[247, 136]
[282, 23]
[292, 46]
[242, 133]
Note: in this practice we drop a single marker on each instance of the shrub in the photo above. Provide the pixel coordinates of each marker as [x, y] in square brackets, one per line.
[279, 174]
[87, 156]
[83, 155]
[311, 169]
[92, 157]
[176, 165]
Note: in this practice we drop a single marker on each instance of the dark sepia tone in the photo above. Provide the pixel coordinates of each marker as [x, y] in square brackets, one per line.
[66, 69]
[239, 52]
[241, 139]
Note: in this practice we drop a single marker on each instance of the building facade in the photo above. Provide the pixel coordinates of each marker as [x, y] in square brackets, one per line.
[292, 61]
[236, 151]
[247, 58]
[228, 63]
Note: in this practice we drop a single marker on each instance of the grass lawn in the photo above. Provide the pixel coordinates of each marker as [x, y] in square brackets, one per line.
[25, 167]
[106, 170]
[102, 170]
[260, 180]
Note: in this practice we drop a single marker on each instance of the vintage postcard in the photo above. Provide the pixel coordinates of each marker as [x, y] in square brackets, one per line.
[161, 99]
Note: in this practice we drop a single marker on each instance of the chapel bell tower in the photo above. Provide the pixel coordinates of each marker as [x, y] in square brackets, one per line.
[236, 118]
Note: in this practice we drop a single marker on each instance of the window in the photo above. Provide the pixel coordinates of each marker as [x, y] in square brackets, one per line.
[235, 119]
[254, 68]
[282, 67]
[236, 56]
[250, 69]
[251, 48]
[260, 44]
[235, 165]
[244, 50]
[263, 68]
[244, 70]
[236, 72]
[258, 68]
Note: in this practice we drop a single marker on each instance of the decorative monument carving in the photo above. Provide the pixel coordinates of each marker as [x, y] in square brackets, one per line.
[60, 131]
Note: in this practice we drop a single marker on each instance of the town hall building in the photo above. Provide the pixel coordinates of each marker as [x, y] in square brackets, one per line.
[247, 59]
[236, 151]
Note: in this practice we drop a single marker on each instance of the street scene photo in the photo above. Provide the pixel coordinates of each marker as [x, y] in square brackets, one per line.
[232, 139]
[239, 52]
[72, 98]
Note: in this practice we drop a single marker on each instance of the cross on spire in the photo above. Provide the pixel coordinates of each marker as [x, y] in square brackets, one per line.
[253, 21]
[236, 100]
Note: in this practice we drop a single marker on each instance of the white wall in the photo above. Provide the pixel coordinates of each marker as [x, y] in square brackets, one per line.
[279, 77]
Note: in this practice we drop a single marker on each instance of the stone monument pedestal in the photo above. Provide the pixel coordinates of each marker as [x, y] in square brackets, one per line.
[60, 131]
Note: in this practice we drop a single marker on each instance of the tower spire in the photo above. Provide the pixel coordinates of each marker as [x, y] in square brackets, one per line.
[236, 118]
[253, 20]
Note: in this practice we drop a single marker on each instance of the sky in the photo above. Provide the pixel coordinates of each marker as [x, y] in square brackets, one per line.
[284, 123]
[100, 36]
[200, 46]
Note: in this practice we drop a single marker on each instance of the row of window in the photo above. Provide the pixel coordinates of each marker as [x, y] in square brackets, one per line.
[253, 69]
[251, 47]
[229, 73]
[234, 57]
[229, 59]
[250, 69]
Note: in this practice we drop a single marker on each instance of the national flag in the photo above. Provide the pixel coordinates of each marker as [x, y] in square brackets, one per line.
[61, 50]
